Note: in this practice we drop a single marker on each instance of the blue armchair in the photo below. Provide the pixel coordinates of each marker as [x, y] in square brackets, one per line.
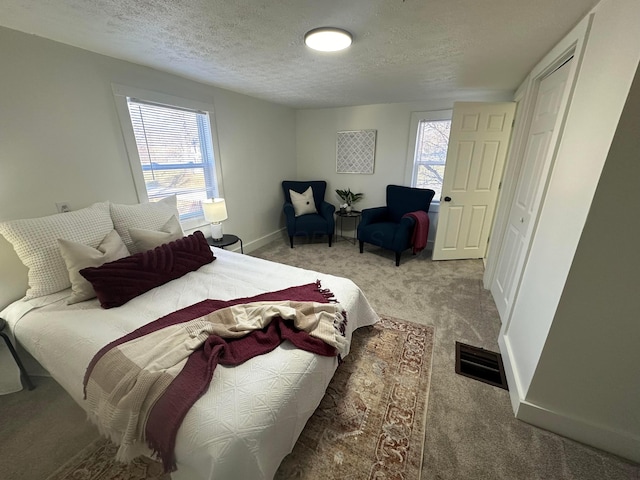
[320, 223]
[389, 227]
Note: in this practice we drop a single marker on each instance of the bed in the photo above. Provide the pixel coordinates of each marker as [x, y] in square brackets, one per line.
[252, 414]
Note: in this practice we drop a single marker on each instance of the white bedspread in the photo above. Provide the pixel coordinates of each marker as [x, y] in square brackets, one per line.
[252, 414]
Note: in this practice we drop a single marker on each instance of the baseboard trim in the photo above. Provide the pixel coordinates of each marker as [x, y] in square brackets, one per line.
[261, 242]
[614, 441]
[619, 443]
[515, 389]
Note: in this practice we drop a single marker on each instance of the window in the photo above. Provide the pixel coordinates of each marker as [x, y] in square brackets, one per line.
[171, 150]
[431, 132]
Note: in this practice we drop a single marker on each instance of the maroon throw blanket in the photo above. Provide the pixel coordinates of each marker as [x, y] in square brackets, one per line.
[421, 230]
[193, 381]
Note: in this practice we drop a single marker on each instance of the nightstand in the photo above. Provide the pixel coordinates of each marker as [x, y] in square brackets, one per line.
[25, 376]
[227, 239]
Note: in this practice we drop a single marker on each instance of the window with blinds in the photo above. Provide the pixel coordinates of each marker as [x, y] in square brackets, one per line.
[432, 141]
[176, 154]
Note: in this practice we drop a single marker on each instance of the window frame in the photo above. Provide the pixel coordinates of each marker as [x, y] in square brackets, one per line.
[121, 93]
[416, 118]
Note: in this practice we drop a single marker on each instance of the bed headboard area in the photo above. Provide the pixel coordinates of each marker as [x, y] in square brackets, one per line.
[13, 274]
[42, 256]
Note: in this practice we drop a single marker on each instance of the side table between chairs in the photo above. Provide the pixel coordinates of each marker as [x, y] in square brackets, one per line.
[355, 215]
[23, 372]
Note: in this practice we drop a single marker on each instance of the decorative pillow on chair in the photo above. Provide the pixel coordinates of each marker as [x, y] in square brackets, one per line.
[35, 240]
[149, 216]
[78, 256]
[115, 283]
[303, 203]
[144, 240]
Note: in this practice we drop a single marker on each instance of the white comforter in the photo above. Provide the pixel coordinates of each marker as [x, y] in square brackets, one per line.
[252, 414]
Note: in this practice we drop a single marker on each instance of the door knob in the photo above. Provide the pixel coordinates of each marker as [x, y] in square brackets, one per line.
[447, 199]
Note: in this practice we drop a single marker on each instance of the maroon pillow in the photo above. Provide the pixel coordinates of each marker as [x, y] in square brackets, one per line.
[119, 281]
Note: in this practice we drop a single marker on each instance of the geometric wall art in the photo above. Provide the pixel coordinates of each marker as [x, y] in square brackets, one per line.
[355, 151]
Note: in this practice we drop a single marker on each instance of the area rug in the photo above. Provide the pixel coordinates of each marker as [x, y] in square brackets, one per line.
[369, 425]
[97, 462]
[371, 422]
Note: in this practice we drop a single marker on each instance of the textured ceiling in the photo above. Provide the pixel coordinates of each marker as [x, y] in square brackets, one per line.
[403, 50]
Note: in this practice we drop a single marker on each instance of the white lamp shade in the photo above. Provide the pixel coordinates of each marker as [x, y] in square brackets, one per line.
[215, 210]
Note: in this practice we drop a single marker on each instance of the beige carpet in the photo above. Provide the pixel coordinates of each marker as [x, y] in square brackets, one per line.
[369, 425]
[471, 433]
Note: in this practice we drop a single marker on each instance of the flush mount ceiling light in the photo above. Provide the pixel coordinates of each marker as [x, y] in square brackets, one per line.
[328, 39]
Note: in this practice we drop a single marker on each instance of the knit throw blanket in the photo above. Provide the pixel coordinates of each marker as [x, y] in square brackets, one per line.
[420, 231]
[140, 387]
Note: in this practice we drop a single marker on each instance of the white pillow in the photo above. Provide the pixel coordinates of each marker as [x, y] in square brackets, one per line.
[303, 203]
[149, 216]
[78, 256]
[35, 240]
[149, 239]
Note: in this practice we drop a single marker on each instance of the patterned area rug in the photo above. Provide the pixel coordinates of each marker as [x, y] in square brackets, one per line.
[371, 422]
[97, 462]
[369, 425]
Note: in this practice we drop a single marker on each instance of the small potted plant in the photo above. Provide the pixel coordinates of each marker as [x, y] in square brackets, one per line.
[349, 198]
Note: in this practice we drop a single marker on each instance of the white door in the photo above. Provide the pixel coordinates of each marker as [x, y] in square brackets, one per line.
[529, 189]
[478, 145]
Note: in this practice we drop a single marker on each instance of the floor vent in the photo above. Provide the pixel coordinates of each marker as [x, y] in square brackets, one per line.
[480, 364]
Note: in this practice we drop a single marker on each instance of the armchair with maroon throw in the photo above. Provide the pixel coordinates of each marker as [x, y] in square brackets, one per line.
[390, 227]
[319, 223]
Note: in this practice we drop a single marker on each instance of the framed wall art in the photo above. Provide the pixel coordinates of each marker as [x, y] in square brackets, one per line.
[356, 151]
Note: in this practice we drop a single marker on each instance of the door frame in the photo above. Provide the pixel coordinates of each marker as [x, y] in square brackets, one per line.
[572, 45]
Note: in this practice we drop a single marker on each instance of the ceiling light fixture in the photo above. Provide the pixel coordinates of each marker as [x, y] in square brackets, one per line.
[328, 39]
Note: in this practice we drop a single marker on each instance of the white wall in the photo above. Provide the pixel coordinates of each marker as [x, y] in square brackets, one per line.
[316, 146]
[60, 140]
[572, 400]
[590, 366]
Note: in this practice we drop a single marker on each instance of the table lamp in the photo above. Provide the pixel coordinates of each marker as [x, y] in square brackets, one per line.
[215, 212]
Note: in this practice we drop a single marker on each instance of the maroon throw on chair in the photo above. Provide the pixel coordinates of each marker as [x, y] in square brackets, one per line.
[420, 231]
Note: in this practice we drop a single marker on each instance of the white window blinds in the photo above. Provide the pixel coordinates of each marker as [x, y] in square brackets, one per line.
[176, 154]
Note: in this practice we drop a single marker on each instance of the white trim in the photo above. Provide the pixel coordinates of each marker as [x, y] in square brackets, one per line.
[131, 147]
[266, 240]
[576, 48]
[249, 247]
[515, 388]
[161, 98]
[416, 118]
[121, 92]
[574, 44]
[617, 442]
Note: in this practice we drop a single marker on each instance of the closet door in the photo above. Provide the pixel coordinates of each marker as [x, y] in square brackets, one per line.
[529, 192]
